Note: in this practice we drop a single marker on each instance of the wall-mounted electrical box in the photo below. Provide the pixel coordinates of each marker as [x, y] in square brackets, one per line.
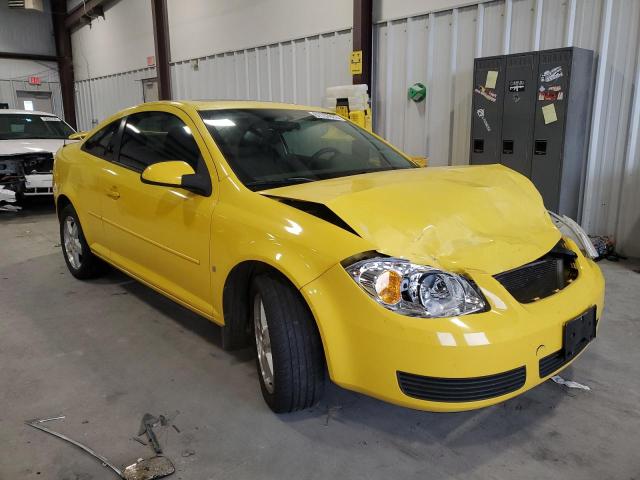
[531, 112]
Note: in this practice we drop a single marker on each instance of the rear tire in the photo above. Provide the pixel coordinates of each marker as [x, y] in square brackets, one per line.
[290, 358]
[81, 262]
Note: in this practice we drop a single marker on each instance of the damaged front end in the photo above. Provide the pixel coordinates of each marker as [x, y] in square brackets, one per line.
[24, 175]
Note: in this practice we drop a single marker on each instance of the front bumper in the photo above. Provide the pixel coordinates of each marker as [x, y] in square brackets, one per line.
[367, 346]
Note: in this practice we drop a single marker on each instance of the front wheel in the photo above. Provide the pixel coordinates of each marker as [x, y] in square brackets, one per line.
[290, 359]
[80, 261]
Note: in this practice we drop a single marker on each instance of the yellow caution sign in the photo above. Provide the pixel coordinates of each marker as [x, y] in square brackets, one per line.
[356, 62]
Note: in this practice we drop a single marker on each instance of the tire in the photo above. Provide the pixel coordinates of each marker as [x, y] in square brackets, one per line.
[81, 262]
[297, 366]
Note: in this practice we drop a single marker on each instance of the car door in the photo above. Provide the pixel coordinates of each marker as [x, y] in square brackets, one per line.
[157, 233]
[96, 155]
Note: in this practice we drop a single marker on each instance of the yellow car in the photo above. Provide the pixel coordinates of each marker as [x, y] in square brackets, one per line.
[438, 289]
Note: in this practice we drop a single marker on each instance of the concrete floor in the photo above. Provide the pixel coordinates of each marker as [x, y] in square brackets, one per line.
[105, 352]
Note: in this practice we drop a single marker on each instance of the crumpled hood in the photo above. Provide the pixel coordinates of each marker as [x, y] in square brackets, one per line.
[30, 145]
[484, 218]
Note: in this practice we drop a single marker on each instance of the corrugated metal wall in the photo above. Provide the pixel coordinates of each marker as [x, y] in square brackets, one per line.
[97, 98]
[296, 71]
[438, 49]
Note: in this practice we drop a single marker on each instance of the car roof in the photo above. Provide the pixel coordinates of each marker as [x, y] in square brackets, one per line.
[227, 104]
[27, 112]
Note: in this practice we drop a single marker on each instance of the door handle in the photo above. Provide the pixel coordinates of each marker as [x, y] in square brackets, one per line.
[113, 194]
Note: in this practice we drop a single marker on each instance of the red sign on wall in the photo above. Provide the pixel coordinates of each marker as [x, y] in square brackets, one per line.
[35, 81]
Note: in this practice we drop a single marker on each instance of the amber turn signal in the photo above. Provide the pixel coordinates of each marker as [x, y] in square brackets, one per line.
[388, 286]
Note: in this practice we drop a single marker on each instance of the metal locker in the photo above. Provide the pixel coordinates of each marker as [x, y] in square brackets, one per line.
[488, 85]
[538, 122]
[553, 86]
[518, 110]
[563, 105]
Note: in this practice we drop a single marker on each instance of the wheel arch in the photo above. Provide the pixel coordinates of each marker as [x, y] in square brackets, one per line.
[236, 302]
[61, 203]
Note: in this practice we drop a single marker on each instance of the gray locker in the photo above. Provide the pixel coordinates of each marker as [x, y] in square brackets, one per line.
[542, 116]
[487, 107]
[519, 104]
[560, 146]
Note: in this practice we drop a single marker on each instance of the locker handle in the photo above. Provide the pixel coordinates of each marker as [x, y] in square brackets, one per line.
[507, 147]
[540, 147]
[478, 145]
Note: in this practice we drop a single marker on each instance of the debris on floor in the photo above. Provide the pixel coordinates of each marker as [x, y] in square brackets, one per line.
[10, 208]
[188, 452]
[149, 469]
[7, 199]
[143, 469]
[569, 383]
[606, 247]
[331, 413]
[146, 426]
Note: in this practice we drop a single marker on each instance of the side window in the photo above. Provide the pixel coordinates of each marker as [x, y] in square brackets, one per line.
[101, 143]
[152, 137]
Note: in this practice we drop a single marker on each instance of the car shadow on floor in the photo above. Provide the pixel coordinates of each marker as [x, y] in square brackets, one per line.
[185, 318]
[33, 209]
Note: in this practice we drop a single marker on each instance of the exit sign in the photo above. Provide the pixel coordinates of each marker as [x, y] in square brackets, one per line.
[35, 81]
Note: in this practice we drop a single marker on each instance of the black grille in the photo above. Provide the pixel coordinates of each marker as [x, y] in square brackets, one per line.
[461, 389]
[541, 278]
[557, 360]
[551, 363]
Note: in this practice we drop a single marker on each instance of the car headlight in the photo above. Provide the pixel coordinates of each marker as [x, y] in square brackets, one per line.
[416, 290]
[571, 229]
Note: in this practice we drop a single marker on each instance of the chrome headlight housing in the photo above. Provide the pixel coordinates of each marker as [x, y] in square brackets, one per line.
[416, 290]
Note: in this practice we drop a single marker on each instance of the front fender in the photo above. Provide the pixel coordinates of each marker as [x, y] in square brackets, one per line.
[248, 226]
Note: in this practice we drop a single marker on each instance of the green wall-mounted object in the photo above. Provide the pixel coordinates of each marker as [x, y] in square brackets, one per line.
[417, 92]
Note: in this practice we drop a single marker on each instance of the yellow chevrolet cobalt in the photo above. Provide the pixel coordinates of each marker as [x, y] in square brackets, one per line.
[329, 250]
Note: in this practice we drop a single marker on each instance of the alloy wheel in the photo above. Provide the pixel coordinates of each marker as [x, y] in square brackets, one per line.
[72, 245]
[263, 343]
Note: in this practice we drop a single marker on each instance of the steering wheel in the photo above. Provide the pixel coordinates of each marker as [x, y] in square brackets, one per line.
[323, 151]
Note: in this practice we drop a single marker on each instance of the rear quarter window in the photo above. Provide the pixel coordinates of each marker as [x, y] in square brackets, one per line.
[102, 143]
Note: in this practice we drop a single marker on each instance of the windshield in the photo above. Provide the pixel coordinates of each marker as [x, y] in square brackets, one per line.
[16, 126]
[269, 148]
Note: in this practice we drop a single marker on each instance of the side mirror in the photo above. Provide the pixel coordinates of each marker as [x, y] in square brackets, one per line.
[420, 161]
[77, 136]
[176, 173]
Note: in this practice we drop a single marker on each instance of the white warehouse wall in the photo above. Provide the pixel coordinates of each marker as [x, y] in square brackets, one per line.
[215, 26]
[120, 42]
[303, 48]
[385, 10]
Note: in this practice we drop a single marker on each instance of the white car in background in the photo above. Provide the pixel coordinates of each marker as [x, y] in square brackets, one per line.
[28, 141]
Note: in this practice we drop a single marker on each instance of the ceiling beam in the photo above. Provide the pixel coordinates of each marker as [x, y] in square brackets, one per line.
[29, 56]
[84, 13]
